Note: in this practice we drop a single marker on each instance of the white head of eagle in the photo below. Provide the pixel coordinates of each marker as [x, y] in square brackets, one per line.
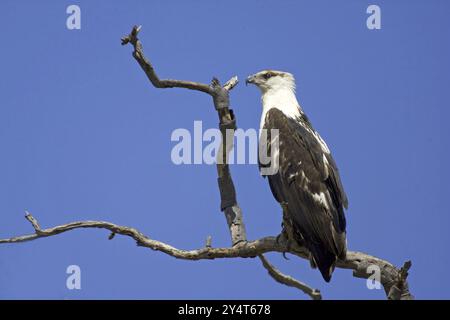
[307, 183]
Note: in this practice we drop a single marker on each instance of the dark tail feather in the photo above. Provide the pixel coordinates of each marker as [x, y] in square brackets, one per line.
[324, 260]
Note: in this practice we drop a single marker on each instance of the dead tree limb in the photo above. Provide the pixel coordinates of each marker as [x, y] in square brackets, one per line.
[288, 280]
[227, 125]
[394, 280]
[220, 96]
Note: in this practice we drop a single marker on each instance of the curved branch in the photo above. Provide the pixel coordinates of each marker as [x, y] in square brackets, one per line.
[150, 71]
[393, 280]
[227, 125]
[288, 280]
[220, 95]
[244, 250]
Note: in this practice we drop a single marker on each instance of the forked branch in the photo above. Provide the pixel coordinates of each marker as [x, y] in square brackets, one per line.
[394, 280]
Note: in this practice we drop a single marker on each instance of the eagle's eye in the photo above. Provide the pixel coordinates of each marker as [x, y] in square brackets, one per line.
[268, 75]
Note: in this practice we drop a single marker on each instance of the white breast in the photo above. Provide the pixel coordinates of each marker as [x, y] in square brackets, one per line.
[283, 99]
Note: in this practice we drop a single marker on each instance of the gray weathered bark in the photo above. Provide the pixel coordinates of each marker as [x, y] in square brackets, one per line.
[394, 280]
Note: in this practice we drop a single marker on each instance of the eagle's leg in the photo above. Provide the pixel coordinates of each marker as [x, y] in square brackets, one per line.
[287, 230]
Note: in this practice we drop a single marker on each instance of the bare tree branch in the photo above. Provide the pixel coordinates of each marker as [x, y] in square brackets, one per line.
[229, 206]
[393, 280]
[359, 262]
[288, 280]
[227, 125]
[150, 72]
[248, 249]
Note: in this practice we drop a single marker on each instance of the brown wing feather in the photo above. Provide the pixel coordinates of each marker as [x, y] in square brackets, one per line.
[311, 188]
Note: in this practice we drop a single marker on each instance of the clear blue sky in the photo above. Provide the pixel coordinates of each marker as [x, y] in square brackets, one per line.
[83, 135]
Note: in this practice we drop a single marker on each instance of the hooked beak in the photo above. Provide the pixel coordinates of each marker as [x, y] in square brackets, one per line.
[250, 79]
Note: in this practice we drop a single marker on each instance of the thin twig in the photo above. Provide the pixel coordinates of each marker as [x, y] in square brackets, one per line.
[288, 280]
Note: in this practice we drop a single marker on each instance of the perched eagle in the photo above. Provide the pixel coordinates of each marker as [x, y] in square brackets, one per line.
[307, 182]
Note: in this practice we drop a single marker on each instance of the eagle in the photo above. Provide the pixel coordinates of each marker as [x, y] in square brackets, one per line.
[306, 183]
